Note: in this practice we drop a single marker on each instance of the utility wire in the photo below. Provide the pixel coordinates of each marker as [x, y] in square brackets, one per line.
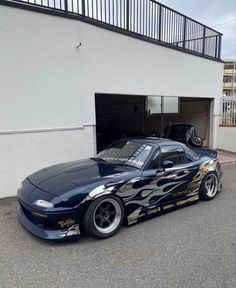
[224, 23]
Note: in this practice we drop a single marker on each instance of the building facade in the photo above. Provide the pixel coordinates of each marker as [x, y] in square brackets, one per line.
[229, 80]
[227, 129]
[64, 68]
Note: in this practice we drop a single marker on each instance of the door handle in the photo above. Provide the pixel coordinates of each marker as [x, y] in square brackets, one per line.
[182, 173]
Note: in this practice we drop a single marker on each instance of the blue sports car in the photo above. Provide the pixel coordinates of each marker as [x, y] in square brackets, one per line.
[131, 180]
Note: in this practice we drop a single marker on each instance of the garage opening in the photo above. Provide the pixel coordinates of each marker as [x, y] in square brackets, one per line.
[120, 116]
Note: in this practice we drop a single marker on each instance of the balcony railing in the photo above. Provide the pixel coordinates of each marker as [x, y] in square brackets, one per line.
[144, 19]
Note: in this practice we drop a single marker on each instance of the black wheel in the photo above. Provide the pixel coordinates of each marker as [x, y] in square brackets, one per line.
[209, 186]
[104, 216]
[196, 141]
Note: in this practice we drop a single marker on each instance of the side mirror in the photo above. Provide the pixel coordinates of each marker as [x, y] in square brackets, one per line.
[167, 164]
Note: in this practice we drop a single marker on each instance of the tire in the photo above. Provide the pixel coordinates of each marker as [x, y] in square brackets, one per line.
[196, 141]
[209, 186]
[104, 216]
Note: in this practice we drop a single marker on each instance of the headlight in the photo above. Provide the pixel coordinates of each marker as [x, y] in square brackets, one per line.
[43, 203]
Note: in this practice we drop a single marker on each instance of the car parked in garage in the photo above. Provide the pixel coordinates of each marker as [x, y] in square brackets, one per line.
[187, 134]
[184, 133]
[131, 180]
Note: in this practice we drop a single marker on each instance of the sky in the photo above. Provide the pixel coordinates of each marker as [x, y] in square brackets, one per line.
[217, 14]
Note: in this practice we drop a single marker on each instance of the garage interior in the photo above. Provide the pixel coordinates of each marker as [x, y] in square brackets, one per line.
[120, 116]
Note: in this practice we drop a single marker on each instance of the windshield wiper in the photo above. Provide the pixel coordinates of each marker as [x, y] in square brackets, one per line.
[98, 159]
[123, 165]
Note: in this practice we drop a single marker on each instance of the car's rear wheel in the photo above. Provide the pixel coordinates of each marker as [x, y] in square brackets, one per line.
[104, 216]
[209, 186]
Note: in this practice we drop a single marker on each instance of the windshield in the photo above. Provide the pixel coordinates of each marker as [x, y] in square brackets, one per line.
[126, 153]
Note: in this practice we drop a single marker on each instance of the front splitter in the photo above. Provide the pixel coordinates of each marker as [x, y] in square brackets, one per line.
[72, 233]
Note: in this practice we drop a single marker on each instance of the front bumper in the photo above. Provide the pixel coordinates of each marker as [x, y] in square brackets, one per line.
[69, 233]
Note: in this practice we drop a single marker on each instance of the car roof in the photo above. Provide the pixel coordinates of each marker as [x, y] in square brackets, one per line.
[153, 141]
[180, 125]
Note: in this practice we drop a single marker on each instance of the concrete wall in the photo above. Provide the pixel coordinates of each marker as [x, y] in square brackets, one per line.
[227, 138]
[48, 83]
[23, 153]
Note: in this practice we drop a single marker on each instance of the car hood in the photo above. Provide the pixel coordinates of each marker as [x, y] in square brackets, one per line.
[84, 174]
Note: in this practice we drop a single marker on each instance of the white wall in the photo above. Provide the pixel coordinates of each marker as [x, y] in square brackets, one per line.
[48, 83]
[23, 153]
[227, 138]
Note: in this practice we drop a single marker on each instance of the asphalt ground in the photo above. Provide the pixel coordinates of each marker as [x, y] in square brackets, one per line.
[189, 247]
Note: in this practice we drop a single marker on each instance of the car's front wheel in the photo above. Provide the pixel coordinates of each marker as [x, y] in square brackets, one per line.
[209, 186]
[104, 216]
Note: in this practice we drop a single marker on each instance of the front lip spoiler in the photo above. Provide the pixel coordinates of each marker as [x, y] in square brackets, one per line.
[47, 234]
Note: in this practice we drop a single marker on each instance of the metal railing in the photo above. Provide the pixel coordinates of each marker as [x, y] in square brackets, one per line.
[229, 110]
[145, 19]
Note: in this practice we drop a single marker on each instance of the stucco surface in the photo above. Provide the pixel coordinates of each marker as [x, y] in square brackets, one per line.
[227, 138]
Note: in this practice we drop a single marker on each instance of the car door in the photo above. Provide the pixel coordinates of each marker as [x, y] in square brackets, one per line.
[166, 185]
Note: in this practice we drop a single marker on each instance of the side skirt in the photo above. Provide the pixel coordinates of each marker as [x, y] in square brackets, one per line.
[153, 211]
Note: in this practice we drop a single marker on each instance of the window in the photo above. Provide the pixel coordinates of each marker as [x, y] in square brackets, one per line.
[228, 79]
[124, 152]
[228, 65]
[162, 104]
[155, 162]
[173, 153]
[171, 104]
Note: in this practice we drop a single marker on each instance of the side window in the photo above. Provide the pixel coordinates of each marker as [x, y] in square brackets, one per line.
[155, 162]
[173, 153]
